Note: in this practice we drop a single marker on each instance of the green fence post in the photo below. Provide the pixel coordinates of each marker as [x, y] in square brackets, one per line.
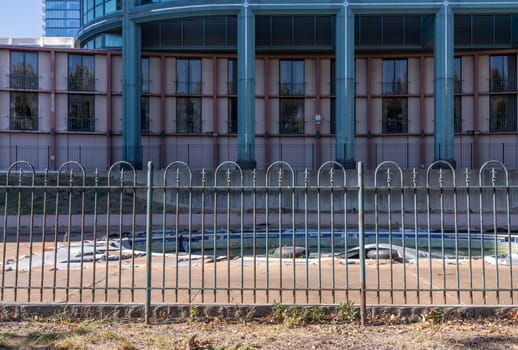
[149, 217]
[361, 234]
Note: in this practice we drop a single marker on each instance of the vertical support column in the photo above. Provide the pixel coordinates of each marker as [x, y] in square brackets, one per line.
[131, 89]
[246, 88]
[345, 87]
[52, 156]
[443, 62]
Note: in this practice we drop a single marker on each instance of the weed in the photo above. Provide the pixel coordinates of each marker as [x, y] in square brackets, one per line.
[317, 315]
[347, 312]
[278, 312]
[433, 316]
[247, 317]
[193, 313]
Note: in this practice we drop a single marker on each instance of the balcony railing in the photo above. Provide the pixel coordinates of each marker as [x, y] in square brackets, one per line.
[499, 85]
[503, 124]
[394, 88]
[23, 122]
[394, 126]
[81, 124]
[24, 81]
[81, 84]
[291, 89]
[188, 87]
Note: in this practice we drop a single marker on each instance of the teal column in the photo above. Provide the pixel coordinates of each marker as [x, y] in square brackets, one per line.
[444, 87]
[131, 89]
[345, 87]
[246, 88]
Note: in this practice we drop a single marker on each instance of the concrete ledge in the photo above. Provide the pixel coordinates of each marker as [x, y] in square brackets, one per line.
[181, 312]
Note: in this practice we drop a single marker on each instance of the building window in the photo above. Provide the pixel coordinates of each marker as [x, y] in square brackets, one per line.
[81, 113]
[291, 78]
[291, 92]
[332, 100]
[144, 114]
[188, 77]
[146, 81]
[502, 113]
[232, 99]
[23, 111]
[395, 109]
[81, 73]
[395, 77]
[502, 73]
[188, 106]
[24, 70]
[188, 115]
[457, 85]
[395, 115]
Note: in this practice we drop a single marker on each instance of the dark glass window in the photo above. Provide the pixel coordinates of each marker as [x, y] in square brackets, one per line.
[146, 81]
[188, 115]
[81, 110]
[291, 120]
[388, 30]
[502, 113]
[395, 115]
[24, 70]
[232, 91]
[332, 88]
[23, 111]
[144, 114]
[232, 77]
[291, 78]
[457, 82]
[457, 113]
[232, 115]
[81, 73]
[483, 30]
[188, 76]
[503, 73]
[395, 77]
[291, 83]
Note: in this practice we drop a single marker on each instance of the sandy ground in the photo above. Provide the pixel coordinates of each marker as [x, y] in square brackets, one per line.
[249, 280]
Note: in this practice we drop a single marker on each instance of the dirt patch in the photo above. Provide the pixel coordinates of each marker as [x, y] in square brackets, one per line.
[62, 333]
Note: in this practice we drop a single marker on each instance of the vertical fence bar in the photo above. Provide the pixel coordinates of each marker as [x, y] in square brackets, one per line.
[361, 236]
[149, 223]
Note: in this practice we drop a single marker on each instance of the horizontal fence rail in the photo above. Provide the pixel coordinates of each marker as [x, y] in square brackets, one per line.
[325, 236]
[301, 155]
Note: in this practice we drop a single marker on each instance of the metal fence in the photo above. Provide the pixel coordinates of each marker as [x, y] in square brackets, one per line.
[300, 155]
[326, 236]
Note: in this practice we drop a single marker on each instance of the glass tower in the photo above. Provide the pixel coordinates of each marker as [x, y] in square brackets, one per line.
[62, 17]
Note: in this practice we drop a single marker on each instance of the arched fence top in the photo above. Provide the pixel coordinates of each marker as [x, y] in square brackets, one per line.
[123, 168]
[334, 167]
[280, 164]
[388, 165]
[178, 165]
[440, 165]
[18, 166]
[70, 166]
[493, 172]
[227, 167]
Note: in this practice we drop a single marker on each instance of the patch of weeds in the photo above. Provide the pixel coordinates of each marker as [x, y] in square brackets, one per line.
[109, 335]
[246, 317]
[347, 312]
[193, 313]
[39, 338]
[278, 312]
[125, 345]
[433, 316]
[317, 315]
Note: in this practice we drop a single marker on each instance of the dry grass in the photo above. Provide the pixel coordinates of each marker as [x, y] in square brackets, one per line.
[430, 332]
